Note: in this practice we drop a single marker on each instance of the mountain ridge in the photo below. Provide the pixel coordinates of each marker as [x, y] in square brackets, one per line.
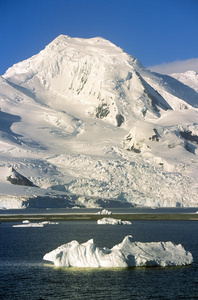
[94, 121]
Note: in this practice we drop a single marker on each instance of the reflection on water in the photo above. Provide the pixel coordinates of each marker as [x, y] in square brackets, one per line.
[24, 274]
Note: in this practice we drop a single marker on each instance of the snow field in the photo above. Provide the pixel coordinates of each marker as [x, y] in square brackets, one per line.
[85, 116]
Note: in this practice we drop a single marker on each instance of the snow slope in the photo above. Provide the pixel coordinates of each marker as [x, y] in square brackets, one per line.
[126, 254]
[189, 78]
[88, 125]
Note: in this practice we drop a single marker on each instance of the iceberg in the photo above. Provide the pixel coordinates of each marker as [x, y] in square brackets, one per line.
[104, 212]
[112, 221]
[26, 223]
[126, 254]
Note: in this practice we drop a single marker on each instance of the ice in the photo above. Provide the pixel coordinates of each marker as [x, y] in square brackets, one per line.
[104, 212]
[126, 254]
[190, 78]
[82, 123]
[27, 223]
[111, 221]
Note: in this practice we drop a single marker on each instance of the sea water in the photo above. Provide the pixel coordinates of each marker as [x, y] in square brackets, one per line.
[142, 210]
[24, 274]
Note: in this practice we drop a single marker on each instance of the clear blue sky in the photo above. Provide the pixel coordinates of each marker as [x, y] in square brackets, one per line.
[154, 31]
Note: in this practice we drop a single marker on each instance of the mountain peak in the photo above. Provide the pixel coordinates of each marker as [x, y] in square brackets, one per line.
[94, 40]
[95, 44]
[84, 116]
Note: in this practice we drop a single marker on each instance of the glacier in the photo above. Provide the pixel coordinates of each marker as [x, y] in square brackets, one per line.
[126, 254]
[83, 123]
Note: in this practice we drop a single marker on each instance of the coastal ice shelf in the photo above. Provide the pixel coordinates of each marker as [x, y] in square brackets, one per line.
[126, 254]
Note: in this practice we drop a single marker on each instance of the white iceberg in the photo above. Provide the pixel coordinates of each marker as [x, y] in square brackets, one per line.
[104, 212]
[26, 223]
[29, 225]
[126, 254]
[112, 221]
[49, 223]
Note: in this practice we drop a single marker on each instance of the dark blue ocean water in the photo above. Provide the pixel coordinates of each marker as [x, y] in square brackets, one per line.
[145, 210]
[24, 274]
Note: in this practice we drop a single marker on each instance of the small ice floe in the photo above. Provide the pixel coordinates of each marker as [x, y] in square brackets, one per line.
[111, 221]
[104, 212]
[29, 225]
[26, 223]
[126, 254]
[49, 223]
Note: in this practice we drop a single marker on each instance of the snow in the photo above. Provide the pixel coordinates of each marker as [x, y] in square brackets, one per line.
[189, 78]
[27, 223]
[89, 126]
[104, 212]
[126, 254]
[112, 221]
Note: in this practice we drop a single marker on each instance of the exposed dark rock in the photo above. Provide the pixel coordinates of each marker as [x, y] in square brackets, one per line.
[119, 119]
[102, 111]
[156, 136]
[132, 148]
[129, 137]
[18, 179]
[187, 135]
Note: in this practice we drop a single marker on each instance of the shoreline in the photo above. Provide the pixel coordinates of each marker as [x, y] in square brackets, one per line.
[95, 217]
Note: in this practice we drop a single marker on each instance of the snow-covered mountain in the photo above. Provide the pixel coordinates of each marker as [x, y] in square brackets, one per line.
[189, 78]
[86, 124]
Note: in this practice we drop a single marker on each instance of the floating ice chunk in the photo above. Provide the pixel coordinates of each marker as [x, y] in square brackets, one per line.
[126, 254]
[104, 212]
[27, 223]
[49, 223]
[111, 221]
